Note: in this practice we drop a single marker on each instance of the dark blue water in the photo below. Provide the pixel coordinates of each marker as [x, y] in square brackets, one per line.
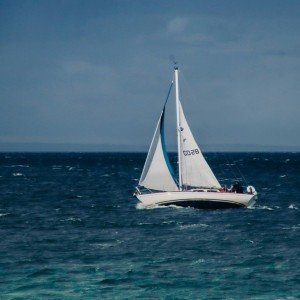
[70, 229]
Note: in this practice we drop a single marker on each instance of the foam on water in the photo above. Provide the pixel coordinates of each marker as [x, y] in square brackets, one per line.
[3, 215]
[293, 206]
[182, 227]
[141, 205]
[17, 174]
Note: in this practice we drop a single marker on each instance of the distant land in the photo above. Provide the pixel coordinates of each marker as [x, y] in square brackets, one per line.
[70, 147]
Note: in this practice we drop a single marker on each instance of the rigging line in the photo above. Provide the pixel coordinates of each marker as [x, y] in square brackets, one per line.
[230, 165]
[239, 171]
[241, 174]
[169, 92]
[235, 166]
[187, 89]
[220, 167]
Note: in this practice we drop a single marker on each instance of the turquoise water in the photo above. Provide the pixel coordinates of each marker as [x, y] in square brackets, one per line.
[70, 229]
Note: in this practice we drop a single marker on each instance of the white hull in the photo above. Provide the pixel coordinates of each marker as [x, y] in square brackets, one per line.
[198, 199]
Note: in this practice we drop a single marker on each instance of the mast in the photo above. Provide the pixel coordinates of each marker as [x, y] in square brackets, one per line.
[178, 127]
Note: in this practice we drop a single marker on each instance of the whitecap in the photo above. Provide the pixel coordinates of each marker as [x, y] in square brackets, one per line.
[262, 207]
[5, 214]
[72, 219]
[17, 174]
[144, 223]
[198, 261]
[193, 226]
[168, 222]
[282, 176]
[293, 228]
[21, 166]
[287, 160]
[104, 245]
[292, 206]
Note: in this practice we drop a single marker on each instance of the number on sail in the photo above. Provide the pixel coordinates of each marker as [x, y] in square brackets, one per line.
[191, 152]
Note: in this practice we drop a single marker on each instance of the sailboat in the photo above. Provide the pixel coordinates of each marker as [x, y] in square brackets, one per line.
[196, 185]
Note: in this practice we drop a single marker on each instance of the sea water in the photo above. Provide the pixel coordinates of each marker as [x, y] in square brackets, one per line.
[71, 229]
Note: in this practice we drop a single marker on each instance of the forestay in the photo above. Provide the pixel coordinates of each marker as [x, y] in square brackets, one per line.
[157, 172]
[195, 171]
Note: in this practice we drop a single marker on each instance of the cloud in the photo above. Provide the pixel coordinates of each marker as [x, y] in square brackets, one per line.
[177, 25]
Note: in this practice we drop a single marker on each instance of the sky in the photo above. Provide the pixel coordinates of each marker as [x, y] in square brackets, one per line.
[97, 72]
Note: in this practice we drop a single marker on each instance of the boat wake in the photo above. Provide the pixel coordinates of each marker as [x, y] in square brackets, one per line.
[140, 205]
[265, 207]
[260, 207]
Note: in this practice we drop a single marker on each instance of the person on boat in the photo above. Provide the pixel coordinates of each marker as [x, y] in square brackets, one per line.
[222, 189]
[236, 187]
[239, 188]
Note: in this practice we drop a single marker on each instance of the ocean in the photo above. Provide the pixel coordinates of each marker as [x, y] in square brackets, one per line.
[71, 229]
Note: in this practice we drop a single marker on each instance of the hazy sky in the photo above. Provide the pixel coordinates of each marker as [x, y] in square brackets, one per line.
[98, 71]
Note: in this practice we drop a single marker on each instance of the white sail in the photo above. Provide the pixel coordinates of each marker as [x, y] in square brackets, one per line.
[194, 169]
[157, 172]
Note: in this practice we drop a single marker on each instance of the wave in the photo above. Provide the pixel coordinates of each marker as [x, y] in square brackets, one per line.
[17, 174]
[293, 206]
[5, 214]
[18, 166]
[198, 261]
[105, 245]
[72, 219]
[181, 227]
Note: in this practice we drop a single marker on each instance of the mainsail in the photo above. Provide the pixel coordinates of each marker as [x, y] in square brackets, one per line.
[157, 172]
[195, 171]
